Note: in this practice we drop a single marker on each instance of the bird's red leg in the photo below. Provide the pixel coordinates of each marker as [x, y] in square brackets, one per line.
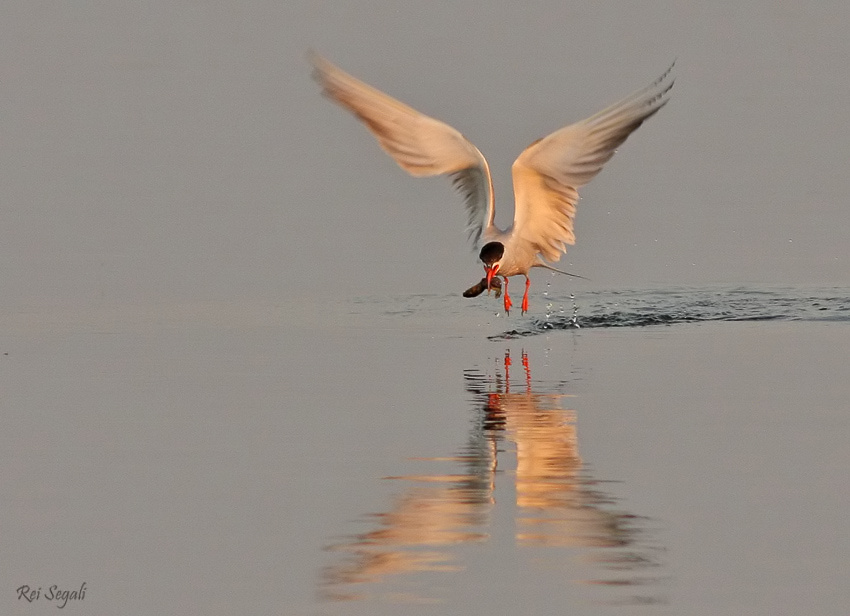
[508, 302]
[525, 297]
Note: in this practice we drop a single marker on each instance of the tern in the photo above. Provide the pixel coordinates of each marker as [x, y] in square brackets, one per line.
[546, 176]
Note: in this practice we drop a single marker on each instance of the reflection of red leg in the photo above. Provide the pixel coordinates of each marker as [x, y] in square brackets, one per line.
[525, 297]
[527, 371]
[508, 302]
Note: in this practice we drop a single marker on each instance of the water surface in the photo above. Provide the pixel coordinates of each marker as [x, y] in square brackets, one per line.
[423, 454]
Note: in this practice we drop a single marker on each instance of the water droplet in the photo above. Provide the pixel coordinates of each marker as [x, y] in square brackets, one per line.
[574, 320]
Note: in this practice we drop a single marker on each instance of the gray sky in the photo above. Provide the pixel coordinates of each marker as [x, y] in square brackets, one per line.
[171, 151]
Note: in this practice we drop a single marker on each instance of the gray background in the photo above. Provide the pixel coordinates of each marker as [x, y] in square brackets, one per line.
[177, 150]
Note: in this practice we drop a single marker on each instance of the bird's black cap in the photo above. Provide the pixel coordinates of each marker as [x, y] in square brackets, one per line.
[491, 252]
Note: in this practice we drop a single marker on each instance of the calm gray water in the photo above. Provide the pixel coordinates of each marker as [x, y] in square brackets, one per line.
[422, 454]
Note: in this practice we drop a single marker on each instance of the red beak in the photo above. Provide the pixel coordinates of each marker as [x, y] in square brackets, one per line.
[491, 271]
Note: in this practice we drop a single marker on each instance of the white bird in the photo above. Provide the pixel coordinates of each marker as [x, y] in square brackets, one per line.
[546, 176]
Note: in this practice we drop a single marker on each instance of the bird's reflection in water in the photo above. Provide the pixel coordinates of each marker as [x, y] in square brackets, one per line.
[521, 433]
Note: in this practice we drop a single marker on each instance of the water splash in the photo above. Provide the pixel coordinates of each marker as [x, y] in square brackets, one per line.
[452, 315]
[677, 305]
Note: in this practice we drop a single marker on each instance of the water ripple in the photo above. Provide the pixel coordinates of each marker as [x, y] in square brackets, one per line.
[641, 308]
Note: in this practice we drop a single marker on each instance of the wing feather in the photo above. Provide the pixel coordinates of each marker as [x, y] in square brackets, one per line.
[548, 174]
[420, 145]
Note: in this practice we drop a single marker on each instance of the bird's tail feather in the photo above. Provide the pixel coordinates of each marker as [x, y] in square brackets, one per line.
[542, 263]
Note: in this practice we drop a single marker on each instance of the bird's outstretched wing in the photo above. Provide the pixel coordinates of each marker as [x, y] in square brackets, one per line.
[548, 174]
[421, 145]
